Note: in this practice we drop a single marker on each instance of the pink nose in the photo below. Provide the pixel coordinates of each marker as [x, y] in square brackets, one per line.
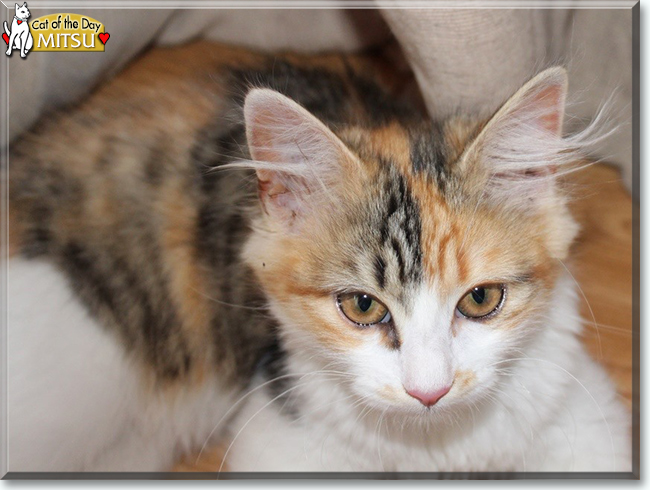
[429, 398]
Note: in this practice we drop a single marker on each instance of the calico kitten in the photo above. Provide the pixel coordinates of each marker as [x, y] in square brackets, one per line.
[273, 252]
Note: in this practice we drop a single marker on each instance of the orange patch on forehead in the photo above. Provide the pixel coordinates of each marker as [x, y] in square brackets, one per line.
[438, 248]
[464, 248]
[444, 257]
[392, 143]
[462, 261]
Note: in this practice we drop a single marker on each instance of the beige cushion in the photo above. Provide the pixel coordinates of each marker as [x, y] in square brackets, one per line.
[463, 59]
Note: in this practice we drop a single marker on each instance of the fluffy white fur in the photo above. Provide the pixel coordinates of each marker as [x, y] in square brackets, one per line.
[76, 402]
[551, 408]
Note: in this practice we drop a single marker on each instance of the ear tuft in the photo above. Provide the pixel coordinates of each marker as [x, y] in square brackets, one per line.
[531, 120]
[520, 150]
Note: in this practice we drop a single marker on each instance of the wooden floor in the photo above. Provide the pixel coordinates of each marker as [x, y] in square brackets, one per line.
[602, 265]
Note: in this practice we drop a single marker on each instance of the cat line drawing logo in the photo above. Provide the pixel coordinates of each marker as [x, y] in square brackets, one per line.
[19, 37]
[53, 32]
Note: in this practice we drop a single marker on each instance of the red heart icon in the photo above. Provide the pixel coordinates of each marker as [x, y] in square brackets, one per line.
[5, 37]
[103, 37]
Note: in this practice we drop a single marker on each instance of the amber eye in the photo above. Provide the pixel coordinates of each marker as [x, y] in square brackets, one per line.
[362, 309]
[481, 301]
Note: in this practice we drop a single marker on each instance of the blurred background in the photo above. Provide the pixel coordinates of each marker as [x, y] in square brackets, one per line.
[462, 59]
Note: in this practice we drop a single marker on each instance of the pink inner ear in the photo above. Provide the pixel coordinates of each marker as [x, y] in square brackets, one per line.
[268, 185]
[262, 139]
[276, 198]
[550, 104]
[295, 155]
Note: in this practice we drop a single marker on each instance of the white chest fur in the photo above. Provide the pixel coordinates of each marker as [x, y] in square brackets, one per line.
[555, 411]
[76, 402]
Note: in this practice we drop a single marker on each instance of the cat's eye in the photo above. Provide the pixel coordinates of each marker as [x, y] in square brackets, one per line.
[362, 309]
[482, 301]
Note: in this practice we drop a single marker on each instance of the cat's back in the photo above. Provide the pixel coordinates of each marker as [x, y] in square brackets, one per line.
[122, 194]
[124, 243]
[161, 125]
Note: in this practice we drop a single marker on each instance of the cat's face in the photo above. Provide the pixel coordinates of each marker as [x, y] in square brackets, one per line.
[405, 260]
[22, 12]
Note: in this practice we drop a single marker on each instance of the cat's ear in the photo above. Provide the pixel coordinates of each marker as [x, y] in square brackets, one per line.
[296, 157]
[521, 147]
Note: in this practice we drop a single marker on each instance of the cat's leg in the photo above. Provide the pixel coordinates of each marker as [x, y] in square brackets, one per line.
[23, 44]
[72, 394]
[12, 41]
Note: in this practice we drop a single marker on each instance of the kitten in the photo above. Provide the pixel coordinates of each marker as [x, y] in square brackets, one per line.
[19, 37]
[273, 252]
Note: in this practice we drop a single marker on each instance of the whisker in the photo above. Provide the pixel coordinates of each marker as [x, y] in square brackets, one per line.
[241, 399]
[593, 399]
[250, 419]
[215, 300]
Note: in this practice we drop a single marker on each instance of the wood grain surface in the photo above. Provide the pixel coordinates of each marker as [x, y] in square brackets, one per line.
[601, 264]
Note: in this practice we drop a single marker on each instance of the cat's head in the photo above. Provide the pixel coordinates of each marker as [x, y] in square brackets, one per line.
[413, 260]
[22, 12]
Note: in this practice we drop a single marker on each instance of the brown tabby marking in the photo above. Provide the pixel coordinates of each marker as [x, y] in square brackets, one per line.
[188, 286]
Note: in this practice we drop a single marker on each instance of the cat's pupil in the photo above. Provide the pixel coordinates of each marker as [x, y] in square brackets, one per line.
[364, 302]
[478, 294]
